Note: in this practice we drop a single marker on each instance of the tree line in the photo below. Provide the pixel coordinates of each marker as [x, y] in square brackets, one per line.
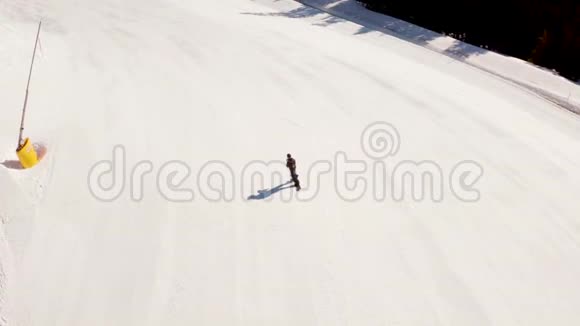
[543, 32]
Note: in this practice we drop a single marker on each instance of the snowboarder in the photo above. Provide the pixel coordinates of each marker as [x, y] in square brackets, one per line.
[291, 165]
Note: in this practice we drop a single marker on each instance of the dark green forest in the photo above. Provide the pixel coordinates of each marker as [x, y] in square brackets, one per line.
[543, 32]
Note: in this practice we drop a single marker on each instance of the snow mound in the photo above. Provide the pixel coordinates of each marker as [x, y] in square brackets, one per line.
[21, 191]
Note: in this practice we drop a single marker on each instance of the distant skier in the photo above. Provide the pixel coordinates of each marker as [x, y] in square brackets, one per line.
[291, 165]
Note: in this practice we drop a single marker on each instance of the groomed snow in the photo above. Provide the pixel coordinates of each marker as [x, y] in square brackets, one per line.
[237, 81]
[539, 80]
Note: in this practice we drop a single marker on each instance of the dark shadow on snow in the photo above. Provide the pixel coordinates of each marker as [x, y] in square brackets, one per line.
[375, 22]
[12, 164]
[265, 193]
[303, 12]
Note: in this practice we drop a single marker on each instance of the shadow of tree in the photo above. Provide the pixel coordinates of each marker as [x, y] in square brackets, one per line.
[302, 12]
[461, 50]
[374, 22]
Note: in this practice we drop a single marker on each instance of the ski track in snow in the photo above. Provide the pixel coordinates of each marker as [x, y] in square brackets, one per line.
[238, 81]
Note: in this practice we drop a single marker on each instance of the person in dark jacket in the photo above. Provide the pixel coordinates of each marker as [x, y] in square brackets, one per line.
[291, 165]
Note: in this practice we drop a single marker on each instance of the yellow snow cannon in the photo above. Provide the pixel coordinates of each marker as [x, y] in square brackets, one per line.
[27, 154]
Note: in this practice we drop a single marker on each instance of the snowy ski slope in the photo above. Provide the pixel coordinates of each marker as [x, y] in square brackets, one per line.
[238, 81]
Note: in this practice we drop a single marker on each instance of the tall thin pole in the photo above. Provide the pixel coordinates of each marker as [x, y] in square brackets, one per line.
[27, 86]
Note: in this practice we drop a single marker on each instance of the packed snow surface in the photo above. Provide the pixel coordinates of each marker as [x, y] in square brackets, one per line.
[217, 86]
